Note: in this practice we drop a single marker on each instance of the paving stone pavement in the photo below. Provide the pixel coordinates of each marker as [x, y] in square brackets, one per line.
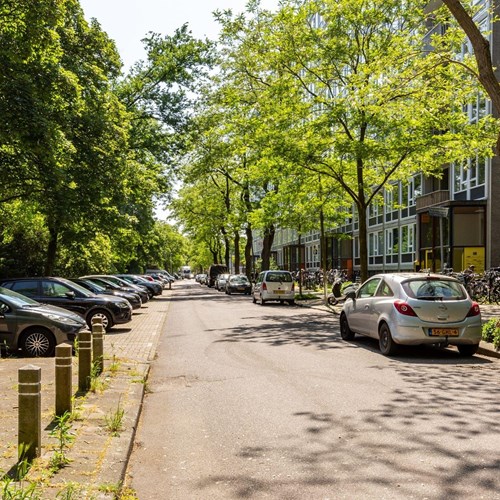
[98, 458]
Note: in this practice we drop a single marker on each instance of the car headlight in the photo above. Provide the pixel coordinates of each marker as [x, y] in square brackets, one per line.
[63, 319]
[123, 305]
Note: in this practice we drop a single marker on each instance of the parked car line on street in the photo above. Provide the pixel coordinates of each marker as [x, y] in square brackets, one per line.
[108, 280]
[133, 298]
[154, 288]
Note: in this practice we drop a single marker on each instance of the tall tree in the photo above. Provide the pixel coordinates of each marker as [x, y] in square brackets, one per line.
[355, 95]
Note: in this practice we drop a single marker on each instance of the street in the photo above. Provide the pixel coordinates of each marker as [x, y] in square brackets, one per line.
[250, 401]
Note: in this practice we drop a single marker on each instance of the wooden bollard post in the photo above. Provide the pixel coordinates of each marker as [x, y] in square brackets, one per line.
[98, 345]
[64, 378]
[30, 412]
[84, 360]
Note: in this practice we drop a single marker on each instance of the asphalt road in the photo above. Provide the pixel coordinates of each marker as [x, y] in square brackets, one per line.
[249, 402]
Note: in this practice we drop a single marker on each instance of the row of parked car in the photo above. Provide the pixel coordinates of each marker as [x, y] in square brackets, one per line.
[38, 313]
[269, 285]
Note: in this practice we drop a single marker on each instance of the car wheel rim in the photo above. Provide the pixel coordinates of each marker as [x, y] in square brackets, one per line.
[37, 344]
[102, 317]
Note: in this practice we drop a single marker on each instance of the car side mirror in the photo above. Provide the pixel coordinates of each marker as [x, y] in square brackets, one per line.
[70, 295]
[351, 295]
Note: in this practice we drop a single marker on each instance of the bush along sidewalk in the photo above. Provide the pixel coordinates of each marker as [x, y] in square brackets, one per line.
[491, 332]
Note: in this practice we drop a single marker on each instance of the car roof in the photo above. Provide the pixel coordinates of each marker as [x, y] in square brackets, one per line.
[400, 277]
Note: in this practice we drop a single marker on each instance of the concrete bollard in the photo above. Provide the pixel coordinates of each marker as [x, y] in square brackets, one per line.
[84, 360]
[64, 378]
[98, 345]
[30, 412]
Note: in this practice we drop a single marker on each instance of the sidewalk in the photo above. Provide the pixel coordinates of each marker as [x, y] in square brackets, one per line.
[487, 312]
[97, 458]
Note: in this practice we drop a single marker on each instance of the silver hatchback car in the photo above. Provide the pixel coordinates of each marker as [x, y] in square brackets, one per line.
[413, 309]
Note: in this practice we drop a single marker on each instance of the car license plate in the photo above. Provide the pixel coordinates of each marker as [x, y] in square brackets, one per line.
[443, 332]
[279, 291]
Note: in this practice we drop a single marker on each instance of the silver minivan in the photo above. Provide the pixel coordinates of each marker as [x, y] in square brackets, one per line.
[274, 285]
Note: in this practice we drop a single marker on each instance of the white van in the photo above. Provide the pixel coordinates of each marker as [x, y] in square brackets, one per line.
[274, 285]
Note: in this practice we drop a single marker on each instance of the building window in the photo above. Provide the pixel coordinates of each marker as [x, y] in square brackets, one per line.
[392, 241]
[408, 238]
[375, 244]
[469, 174]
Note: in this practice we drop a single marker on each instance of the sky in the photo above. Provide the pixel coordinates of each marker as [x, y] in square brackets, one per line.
[127, 22]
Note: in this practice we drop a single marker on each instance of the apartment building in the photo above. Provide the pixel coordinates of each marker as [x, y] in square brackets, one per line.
[426, 223]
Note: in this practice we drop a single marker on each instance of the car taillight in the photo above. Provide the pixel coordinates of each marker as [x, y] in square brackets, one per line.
[474, 310]
[264, 286]
[404, 308]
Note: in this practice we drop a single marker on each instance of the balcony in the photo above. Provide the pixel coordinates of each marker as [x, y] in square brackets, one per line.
[432, 199]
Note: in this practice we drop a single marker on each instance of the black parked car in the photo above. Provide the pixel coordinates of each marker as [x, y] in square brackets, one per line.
[238, 283]
[153, 287]
[35, 328]
[133, 298]
[64, 293]
[110, 281]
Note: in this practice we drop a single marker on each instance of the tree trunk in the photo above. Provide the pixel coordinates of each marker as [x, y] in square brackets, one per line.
[227, 252]
[267, 243]
[248, 252]
[51, 252]
[363, 243]
[482, 54]
[236, 252]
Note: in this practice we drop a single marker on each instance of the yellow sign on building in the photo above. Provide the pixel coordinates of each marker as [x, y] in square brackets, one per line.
[474, 256]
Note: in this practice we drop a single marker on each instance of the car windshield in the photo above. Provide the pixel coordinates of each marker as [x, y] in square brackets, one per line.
[239, 279]
[434, 289]
[17, 298]
[93, 286]
[83, 291]
[103, 283]
[279, 277]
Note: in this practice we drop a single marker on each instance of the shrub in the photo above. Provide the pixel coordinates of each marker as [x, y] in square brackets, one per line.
[491, 332]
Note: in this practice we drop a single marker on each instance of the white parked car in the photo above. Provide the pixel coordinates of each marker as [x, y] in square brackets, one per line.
[413, 309]
[274, 285]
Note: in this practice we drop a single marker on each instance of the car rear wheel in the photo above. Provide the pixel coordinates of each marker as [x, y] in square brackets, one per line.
[345, 332]
[387, 345]
[291, 302]
[37, 342]
[104, 316]
[468, 349]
